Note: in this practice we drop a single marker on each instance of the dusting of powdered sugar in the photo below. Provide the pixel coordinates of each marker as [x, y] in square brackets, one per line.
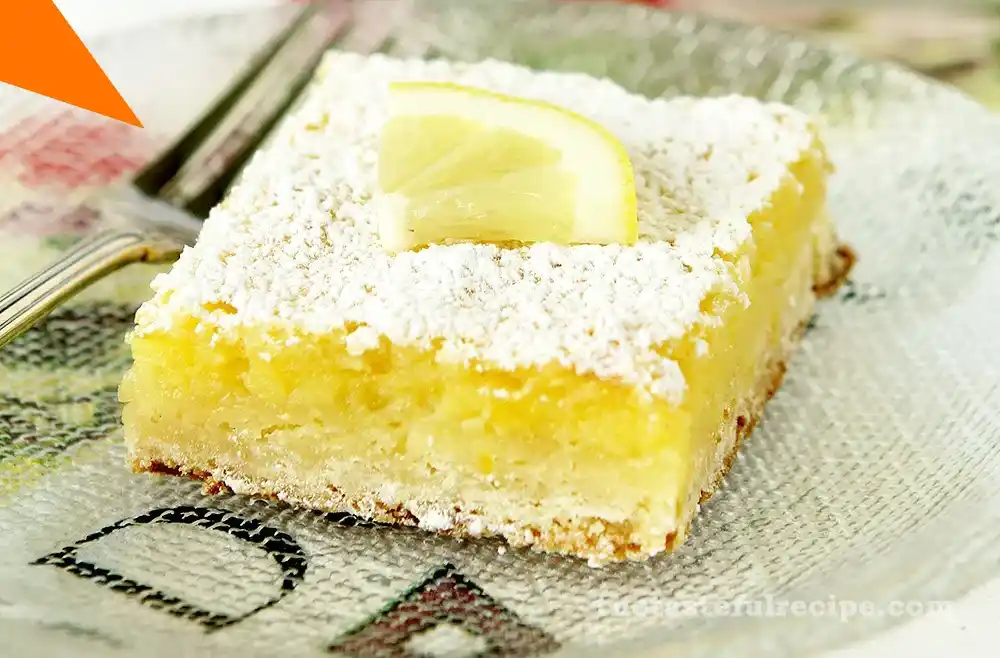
[295, 243]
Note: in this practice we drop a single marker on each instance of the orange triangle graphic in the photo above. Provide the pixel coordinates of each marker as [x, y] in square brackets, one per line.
[40, 52]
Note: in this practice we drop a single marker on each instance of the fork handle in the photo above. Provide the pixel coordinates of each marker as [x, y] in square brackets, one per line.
[85, 263]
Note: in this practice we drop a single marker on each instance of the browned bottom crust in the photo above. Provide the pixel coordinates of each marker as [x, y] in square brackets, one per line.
[844, 259]
[596, 539]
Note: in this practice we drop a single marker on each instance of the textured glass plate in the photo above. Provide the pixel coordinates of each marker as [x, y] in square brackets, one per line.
[874, 478]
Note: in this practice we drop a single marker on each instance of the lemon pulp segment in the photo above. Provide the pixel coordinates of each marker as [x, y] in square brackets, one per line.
[462, 164]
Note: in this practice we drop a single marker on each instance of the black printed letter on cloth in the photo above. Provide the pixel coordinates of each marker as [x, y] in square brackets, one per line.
[280, 546]
[445, 598]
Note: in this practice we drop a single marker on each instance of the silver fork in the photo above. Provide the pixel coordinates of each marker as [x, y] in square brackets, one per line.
[163, 206]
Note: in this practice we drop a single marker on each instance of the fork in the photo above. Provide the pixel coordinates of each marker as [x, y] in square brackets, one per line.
[163, 206]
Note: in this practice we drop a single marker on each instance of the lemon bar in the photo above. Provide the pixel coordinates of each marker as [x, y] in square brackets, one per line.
[577, 399]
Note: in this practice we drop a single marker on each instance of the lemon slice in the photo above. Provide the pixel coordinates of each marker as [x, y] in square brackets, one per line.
[458, 164]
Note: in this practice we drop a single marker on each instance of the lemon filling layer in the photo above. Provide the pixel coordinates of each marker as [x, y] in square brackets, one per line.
[580, 399]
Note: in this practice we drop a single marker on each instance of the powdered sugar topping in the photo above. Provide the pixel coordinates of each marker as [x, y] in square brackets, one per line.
[295, 244]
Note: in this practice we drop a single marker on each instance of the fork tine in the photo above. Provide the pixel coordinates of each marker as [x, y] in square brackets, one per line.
[161, 170]
[193, 175]
[208, 173]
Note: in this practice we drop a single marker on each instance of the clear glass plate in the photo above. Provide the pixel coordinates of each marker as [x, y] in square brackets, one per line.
[870, 491]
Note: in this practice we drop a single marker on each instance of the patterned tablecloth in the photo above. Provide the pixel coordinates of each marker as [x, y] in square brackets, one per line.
[58, 384]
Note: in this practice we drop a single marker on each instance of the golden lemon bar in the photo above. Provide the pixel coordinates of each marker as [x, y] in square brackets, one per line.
[577, 399]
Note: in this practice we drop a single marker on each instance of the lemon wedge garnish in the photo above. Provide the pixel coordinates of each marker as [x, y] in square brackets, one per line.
[458, 164]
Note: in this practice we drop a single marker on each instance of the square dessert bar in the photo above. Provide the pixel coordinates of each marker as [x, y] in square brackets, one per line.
[578, 399]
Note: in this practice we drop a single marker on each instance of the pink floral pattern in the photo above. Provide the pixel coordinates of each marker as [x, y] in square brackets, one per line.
[71, 150]
[48, 221]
